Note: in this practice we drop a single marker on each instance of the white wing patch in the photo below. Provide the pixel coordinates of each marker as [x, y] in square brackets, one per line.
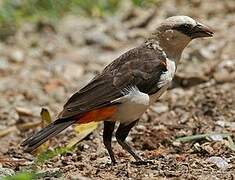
[168, 75]
[133, 95]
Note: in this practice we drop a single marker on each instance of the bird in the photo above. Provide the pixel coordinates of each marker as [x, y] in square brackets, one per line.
[128, 86]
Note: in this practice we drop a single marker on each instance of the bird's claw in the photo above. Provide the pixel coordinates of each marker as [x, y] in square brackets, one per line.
[113, 163]
[142, 162]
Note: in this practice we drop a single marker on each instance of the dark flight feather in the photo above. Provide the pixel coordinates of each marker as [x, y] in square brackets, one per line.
[46, 133]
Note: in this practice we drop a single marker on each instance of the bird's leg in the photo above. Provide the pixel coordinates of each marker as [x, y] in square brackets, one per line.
[121, 134]
[107, 138]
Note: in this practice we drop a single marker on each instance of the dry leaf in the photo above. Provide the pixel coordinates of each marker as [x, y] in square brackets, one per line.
[24, 111]
[83, 130]
[46, 120]
[46, 117]
[7, 131]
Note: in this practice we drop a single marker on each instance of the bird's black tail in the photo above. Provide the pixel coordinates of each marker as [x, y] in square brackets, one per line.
[46, 133]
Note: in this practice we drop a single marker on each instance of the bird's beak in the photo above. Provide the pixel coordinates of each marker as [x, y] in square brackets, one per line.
[201, 30]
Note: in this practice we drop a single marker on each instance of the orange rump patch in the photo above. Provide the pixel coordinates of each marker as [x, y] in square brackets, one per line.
[97, 115]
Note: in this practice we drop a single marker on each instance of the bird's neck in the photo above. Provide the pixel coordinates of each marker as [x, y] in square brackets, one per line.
[171, 43]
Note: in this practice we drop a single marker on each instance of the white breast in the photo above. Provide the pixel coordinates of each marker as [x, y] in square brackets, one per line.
[165, 80]
[168, 75]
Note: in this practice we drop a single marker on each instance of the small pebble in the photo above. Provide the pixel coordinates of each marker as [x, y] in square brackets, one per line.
[219, 162]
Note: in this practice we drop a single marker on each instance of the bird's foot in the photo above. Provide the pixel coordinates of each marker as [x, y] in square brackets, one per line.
[107, 165]
[113, 163]
[142, 162]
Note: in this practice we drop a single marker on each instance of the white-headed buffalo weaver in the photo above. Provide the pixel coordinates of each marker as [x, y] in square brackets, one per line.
[128, 86]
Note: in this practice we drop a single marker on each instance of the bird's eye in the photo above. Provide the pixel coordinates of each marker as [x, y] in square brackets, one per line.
[184, 28]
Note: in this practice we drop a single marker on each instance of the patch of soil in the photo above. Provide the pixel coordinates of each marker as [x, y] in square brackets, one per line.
[43, 68]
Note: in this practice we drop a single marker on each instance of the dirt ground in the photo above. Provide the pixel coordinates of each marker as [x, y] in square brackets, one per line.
[43, 64]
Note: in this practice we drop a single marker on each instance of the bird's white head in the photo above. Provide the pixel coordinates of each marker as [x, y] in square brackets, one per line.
[176, 32]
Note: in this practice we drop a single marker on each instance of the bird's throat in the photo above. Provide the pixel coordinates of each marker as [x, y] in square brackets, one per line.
[172, 43]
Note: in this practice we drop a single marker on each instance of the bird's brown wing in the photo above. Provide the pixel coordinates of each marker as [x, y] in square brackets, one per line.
[140, 67]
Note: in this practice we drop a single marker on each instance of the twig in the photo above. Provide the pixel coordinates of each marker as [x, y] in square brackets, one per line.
[230, 145]
[200, 136]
